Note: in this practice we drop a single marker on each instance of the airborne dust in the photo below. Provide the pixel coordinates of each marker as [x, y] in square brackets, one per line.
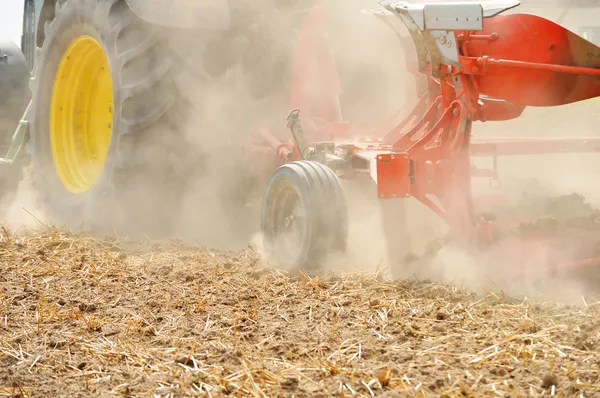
[375, 85]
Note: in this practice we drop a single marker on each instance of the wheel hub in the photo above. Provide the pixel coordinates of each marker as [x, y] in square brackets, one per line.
[81, 114]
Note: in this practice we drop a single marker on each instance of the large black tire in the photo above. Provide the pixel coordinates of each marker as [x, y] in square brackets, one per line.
[324, 215]
[145, 167]
[169, 126]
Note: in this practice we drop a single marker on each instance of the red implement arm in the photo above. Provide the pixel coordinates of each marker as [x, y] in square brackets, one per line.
[490, 74]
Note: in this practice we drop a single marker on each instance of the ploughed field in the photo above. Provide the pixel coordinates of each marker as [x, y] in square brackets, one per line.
[105, 317]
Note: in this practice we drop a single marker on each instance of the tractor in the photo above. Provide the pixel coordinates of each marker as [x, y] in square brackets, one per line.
[114, 87]
[120, 90]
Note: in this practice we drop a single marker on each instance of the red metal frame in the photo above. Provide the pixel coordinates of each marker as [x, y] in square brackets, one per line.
[506, 62]
[501, 70]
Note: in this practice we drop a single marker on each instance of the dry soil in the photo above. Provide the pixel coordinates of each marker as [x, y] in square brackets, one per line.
[84, 316]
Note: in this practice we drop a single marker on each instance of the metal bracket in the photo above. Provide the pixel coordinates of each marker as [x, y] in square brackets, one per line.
[293, 123]
[394, 175]
[19, 139]
[447, 15]
[453, 16]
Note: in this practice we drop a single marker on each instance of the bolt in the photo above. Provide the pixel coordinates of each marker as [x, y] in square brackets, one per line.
[393, 157]
[475, 69]
[393, 195]
[381, 195]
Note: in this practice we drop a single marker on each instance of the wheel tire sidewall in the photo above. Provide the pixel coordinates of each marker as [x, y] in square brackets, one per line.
[74, 20]
[269, 208]
[326, 226]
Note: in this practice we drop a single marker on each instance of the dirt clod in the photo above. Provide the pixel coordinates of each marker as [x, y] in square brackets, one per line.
[440, 316]
[87, 307]
[290, 384]
[549, 380]
[500, 372]
[184, 360]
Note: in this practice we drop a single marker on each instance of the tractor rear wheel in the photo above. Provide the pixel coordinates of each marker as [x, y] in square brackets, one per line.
[304, 215]
[105, 154]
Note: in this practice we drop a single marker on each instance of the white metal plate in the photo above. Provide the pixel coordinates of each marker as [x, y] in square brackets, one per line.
[453, 17]
[416, 10]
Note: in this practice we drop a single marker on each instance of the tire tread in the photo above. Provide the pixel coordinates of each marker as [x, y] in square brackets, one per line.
[327, 208]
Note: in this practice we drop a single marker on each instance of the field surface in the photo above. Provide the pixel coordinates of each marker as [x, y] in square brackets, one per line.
[89, 317]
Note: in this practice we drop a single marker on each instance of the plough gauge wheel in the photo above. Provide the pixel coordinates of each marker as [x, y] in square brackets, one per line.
[304, 215]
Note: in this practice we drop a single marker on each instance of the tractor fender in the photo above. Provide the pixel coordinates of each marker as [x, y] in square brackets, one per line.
[185, 14]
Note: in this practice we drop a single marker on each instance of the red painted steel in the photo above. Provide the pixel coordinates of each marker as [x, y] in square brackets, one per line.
[517, 60]
[534, 62]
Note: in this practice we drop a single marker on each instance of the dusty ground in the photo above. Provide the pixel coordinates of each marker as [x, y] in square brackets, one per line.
[89, 317]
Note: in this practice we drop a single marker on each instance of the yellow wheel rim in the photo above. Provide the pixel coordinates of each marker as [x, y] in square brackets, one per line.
[81, 114]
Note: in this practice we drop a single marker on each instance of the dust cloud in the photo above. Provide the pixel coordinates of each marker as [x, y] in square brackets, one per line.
[549, 176]
[370, 63]
[22, 210]
[221, 200]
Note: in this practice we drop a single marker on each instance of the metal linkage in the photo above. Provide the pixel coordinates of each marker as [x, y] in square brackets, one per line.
[490, 72]
[19, 140]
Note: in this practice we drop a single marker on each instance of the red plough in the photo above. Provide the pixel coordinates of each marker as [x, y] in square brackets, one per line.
[473, 64]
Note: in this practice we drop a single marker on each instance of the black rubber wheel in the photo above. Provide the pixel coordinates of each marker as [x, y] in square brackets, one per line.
[144, 169]
[304, 216]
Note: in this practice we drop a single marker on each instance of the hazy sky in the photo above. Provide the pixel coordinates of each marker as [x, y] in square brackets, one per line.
[11, 20]
[11, 16]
